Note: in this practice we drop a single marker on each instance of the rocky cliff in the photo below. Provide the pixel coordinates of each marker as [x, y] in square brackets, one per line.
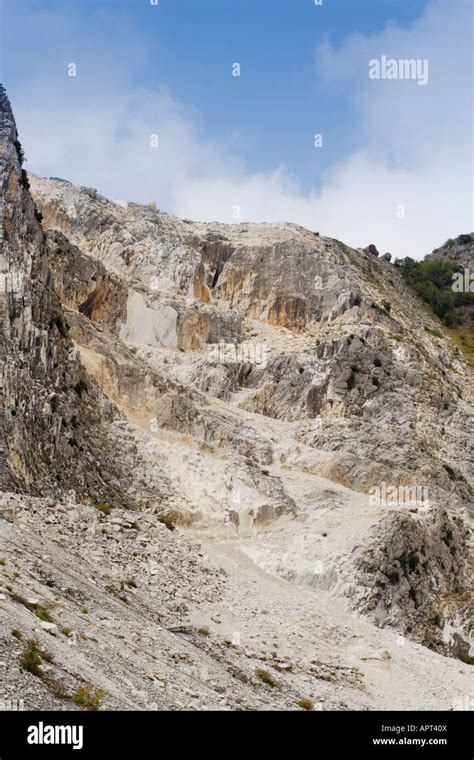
[57, 426]
[234, 445]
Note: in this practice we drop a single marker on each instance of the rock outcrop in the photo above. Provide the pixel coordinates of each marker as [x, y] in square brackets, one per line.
[282, 402]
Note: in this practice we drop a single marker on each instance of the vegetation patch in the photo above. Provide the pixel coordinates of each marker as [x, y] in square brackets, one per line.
[40, 609]
[24, 180]
[32, 658]
[432, 281]
[167, 519]
[267, 678]
[305, 704]
[88, 697]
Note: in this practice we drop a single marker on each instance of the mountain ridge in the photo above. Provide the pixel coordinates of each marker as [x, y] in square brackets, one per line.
[249, 387]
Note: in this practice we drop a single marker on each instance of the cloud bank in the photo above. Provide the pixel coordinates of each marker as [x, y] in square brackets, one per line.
[407, 187]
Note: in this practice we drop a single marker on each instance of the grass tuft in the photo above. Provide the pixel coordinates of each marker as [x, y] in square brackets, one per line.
[305, 704]
[88, 697]
[267, 678]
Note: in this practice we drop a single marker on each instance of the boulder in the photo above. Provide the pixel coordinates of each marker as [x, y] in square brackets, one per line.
[371, 249]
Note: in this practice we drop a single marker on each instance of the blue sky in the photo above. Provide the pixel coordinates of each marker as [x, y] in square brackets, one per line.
[248, 140]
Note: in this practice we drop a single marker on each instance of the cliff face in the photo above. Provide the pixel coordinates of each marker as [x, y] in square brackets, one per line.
[57, 426]
[279, 351]
[37, 378]
[281, 396]
[329, 338]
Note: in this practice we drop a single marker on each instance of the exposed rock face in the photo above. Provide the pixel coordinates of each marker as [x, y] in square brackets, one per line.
[38, 381]
[261, 387]
[57, 431]
[416, 576]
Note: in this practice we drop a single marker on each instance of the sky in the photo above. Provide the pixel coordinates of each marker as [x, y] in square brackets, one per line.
[153, 111]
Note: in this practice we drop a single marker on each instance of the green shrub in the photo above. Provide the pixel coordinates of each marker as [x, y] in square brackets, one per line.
[266, 677]
[432, 281]
[30, 659]
[167, 520]
[103, 507]
[88, 697]
[305, 704]
[466, 658]
[24, 180]
[19, 151]
[41, 609]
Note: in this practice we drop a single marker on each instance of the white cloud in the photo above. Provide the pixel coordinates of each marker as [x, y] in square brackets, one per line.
[415, 144]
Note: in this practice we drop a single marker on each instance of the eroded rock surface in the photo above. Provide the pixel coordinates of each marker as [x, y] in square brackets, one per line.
[284, 402]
